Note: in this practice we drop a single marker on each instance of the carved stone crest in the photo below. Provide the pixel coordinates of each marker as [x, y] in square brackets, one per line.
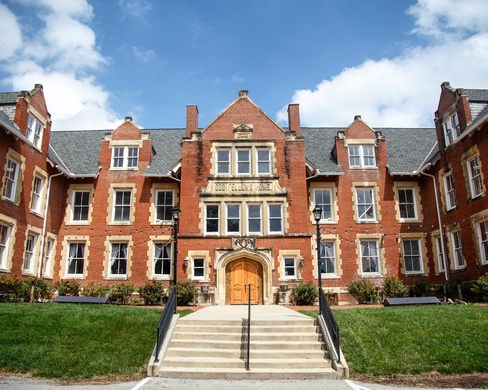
[244, 243]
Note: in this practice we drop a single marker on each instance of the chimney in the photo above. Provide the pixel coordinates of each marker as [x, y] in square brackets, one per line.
[294, 119]
[243, 93]
[191, 120]
[357, 117]
[128, 119]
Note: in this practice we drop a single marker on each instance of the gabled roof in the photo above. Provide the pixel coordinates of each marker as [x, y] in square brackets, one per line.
[319, 142]
[9, 97]
[167, 146]
[477, 95]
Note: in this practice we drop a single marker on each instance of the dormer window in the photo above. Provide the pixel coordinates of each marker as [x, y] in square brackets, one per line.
[34, 131]
[125, 157]
[451, 128]
[362, 156]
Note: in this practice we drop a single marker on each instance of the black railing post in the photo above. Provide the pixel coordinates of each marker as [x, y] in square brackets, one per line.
[330, 323]
[165, 321]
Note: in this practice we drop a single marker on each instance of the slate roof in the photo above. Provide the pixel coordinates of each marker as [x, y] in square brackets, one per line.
[167, 145]
[477, 95]
[9, 97]
[319, 142]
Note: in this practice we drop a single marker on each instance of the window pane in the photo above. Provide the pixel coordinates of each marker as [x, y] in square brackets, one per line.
[264, 163]
[275, 219]
[243, 161]
[412, 257]
[162, 259]
[118, 260]
[369, 257]
[233, 218]
[289, 267]
[327, 257]
[323, 199]
[365, 204]
[254, 218]
[133, 156]
[76, 258]
[212, 223]
[164, 205]
[198, 268]
[223, 161]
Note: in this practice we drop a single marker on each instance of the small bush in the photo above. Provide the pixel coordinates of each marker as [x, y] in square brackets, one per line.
[394, 288]
[364, 291]
[95, 290]
[68, 287]
[121, 293]
[15, 288]
[152, 292]
[304, 294]
[42, 290]
[421, 287]
[185, 292]
[480, 288]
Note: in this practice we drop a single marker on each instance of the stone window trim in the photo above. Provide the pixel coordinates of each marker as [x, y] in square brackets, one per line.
[190, 261]
[361, 155]
[376, 205]
[31, 250]
[38, 193]
[475, 186]
[448, 191]
[438, 251]
[34, 130]
[453, 232]
[334, 202]
[114, 188]
[417, 205]
[379, 239]
[153, 240]
[67, 240]
[156, 188]
[49, 255]
[233, 219]
[479, 226]
[298, 259]
[10, 229]
[70, 203]
[328, 237]
[450, 127]
[12, 186]
[122, 150]
[420, 239]
[109, 243]
[255, 162]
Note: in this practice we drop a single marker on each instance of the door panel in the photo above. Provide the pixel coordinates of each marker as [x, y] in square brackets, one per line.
[241, 274]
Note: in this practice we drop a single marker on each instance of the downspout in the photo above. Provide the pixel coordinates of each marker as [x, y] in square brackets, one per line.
[44, 223]
[439, 221]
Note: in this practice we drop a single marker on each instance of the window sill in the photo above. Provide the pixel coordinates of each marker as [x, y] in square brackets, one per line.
[10, 200]
[363, 168]
[5, 270]
[372, 275]
[28, 273]
[330, 276]
[368, 221]
[122, 223]
[78, 223]
[74, 276]
[116, 277]
[161, 277]
[123, 169]
[414, 273]
[36, 213]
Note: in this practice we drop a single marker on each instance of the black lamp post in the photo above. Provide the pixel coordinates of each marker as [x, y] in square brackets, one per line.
[175, 211]
[317, 215]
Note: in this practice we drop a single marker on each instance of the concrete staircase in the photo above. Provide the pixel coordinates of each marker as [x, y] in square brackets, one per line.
[216, 349]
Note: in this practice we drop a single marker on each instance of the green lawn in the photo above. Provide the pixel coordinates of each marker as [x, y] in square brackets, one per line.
[76, 341]
[450, 339]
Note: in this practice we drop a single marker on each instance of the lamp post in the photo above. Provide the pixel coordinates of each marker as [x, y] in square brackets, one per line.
[317, 215]
[175, 211]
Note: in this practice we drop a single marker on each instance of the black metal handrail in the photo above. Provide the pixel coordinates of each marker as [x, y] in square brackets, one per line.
[331, 323]
[248, 327]
[165, 321]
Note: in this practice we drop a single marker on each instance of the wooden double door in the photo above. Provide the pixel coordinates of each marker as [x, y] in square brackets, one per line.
[238, 276]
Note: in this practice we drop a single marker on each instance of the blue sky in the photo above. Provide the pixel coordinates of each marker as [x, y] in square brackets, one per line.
[100, 60]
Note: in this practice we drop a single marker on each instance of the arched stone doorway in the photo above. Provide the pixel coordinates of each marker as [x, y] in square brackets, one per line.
[240, 275]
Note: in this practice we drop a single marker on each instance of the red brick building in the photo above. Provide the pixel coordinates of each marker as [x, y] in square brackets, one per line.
[246, 187]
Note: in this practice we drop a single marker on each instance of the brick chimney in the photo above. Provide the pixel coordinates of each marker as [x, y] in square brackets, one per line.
[191, 120]
[294, 119]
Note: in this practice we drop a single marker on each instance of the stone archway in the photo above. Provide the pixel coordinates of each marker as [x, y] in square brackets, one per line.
[240, 276]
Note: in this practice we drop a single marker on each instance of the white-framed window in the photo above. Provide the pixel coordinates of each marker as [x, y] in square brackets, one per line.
[474, 173]
[37, 190]
[80, 206]
[198, 269]
[48, 257]
[10, 184]
[164, 205]
[361, 156]
[122, 205]
[212, 218]
[457, 249]
[406, 203]
[412, 256]
[233, 223]
[223, 161]
[125, 157]
[275, 218]
[243, 161]
[365, 203]
[5, 231]
[450, 191]
[451, 128]
[162, 259]
[29, 252]
[254, 219]
[482, 230]
[323, 199]
[327, 257]
[76, 259]
[440, 254]
[34, 130]
[118, 259]
[289, 268]
[370, 259]
[263, 161]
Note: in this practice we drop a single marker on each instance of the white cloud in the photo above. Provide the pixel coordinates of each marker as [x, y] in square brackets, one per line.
[145, 56]
[135, 8]
[60, 56]
[10, 35]
[404, 91]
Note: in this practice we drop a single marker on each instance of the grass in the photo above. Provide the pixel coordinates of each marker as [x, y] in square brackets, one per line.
[76, 341]
[414, 340]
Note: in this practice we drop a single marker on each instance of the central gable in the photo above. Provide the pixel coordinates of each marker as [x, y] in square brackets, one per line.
[243, 119]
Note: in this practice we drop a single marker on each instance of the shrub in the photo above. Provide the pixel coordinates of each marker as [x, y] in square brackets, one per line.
[152, 292]
[185, 292]
[121, 293]
[42, 290]
[480, 288]
[394, 288]
[68, 287]
[364, 291]
[95, 290]
[304, 294]
[421, 287]
[14, 287]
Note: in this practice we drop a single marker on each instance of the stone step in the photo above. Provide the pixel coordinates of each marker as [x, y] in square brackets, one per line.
[239, 329]
[177, 335]
[240, 353]
[236, 344]
[198, 362]
[296, 322]
[241, 373]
